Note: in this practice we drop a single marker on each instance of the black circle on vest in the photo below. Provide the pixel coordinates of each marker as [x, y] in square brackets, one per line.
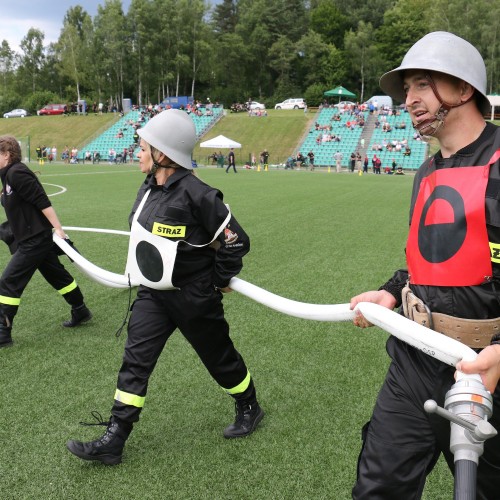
[440, 242]
[149, 261]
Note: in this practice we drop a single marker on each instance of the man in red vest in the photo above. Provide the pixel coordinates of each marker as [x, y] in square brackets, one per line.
[451, 283]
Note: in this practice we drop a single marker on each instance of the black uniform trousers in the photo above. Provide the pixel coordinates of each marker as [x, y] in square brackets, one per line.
[198, 312]
[402, 443]
[35, 253]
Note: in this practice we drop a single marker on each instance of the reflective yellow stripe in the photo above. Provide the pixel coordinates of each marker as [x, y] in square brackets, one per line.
[129, 399]
[67, 289]
[240, 387]
[495, 252]
[10, 301]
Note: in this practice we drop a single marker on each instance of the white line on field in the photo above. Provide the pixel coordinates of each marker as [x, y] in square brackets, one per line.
[90, 173]
[62, 189]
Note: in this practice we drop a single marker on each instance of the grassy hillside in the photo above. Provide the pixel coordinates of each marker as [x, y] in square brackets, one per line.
[57, 131]
[279, 132]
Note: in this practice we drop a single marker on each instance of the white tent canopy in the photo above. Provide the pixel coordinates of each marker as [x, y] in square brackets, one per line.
[495, 103]
[220, 142]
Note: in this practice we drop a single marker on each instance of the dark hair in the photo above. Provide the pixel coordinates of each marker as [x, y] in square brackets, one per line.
[10, 145]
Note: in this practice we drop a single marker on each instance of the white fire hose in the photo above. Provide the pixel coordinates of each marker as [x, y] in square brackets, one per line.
[432, 343]
[467, 405]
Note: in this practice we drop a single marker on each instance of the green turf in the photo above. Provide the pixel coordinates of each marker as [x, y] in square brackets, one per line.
[316, 237]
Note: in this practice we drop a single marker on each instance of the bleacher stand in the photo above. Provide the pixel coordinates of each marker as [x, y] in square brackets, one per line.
[390, 141]
[346, 127]
[120, 135]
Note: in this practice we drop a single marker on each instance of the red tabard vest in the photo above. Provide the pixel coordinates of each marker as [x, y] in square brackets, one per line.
[448, 240]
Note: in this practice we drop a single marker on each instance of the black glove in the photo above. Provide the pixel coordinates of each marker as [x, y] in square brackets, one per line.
[7, 236]
[59, 251]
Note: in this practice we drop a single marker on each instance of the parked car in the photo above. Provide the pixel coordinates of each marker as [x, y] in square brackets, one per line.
[255, 105]
[15, 113]
[382, 101]
[344, 104]
[52, 109]
[295, 103]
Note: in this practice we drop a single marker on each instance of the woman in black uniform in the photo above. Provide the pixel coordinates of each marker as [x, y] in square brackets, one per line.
[185, 246]
[31, 219]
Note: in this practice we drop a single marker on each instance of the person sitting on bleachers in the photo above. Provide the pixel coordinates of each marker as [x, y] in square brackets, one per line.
[300, 159]
[290, 163]
[96, 157]
[87, 157]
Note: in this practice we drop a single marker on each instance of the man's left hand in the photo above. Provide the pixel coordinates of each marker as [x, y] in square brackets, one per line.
[487, 365]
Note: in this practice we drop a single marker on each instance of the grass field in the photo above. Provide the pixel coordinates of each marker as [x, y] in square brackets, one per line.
[317, 238]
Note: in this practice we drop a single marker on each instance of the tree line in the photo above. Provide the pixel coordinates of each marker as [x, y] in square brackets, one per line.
[268, 50]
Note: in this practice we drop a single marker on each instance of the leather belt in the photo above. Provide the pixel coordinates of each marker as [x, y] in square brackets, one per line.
[474, 333]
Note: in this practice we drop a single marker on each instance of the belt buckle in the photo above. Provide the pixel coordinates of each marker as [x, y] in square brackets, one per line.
[429, 316]
[404, 297]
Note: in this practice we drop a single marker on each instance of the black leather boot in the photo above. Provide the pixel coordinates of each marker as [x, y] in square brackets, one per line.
[247, 418]
[5, 331]
[80, 314]
[108, 448]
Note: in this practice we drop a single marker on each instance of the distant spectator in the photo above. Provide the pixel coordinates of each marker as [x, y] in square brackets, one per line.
[87, 157]
[338, 160]
[310, 155]
[220, 160]
[352, 161]
[264, 158]
[65, 154]
[300, 159]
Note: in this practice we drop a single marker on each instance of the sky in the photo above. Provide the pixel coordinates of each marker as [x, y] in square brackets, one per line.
[18, 16]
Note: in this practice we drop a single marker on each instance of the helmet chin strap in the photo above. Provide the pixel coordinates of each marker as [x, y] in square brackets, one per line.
[154, 168]
[430, 126]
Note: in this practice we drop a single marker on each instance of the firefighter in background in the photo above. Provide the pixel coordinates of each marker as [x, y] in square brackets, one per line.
[177, 219]
[39, 154]
[28, 232]
[44, 155]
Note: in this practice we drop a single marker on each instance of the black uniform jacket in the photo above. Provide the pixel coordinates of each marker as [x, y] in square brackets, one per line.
[193, 211]
[473, 302]
[23, 199]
